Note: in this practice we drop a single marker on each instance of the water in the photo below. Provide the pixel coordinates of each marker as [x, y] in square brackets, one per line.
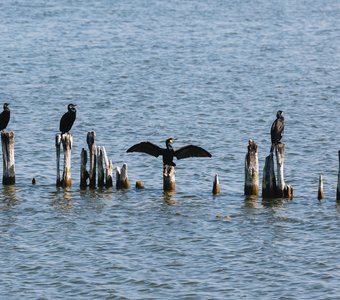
[210, 73]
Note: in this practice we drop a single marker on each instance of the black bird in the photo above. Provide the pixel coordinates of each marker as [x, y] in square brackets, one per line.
[169, 153]
[276, 131]
[68, 119]
[4, 117]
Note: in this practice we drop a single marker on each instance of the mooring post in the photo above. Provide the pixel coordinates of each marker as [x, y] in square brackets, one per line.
[83, 172]
[338, 188]
[169, 180]
[67, 141]
[251, 182]
[100, 156]
[269, 180]
[57, 146]
[320, 189]
[91, 142]
[216, 186]
[108, 170]
[7, 140]
[122, 180]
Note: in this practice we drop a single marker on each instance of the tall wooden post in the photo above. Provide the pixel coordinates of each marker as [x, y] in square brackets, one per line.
[108, 170]
[100, 156]
[122, 180]
[67, 141]
[280, 157]
[269, 180]
[57, 146]
[83, 172]
[320, 189]
[338, 188]
[251, 182]
[169, 180]
[91, 142]
[7, 140]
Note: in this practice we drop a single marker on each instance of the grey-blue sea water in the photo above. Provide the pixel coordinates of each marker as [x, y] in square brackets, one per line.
[210, 73]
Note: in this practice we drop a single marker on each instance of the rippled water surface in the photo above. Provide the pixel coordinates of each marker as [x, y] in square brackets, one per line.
[210, 73]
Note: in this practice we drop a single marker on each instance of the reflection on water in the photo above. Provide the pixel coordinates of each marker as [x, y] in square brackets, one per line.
[170, 198]
[8, 196]
[62, 199]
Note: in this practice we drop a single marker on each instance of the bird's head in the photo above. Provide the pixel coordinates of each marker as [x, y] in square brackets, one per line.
[71, 107]
[6, 105]
[170, 141]
[279, 114]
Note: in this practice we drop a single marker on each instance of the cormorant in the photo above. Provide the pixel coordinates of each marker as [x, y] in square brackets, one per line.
[67, 119]
[4, 117]
[169, 153]
[276, 131]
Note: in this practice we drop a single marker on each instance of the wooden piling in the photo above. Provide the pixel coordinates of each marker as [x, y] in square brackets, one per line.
[91, 142]
[216, 186]
[108, 170]
[83, 172]
[338, 187]
[251, 182]
[280, 156]
[320, 189]
[169, 180]
[67, 141]
[57, 146]
[100, 156]
[269, 180]
[7, 141]
[122, 180]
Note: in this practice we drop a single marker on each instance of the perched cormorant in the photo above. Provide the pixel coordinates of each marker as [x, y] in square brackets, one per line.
[277, 129]
[169, 153]
[4, 117]
[67, 119]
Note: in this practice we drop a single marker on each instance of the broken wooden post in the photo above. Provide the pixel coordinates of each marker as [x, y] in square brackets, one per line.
[251, 182]
[283, 190]
[169, 180]
[108, 170]
[91, 142]
[100, 156]
[268, 180]
[7, 141]
[83, 172]
[122, 180]
[320, 190]
[67, 141]
[139, 185]
[57, 146]
[338, 188]
[216, 186]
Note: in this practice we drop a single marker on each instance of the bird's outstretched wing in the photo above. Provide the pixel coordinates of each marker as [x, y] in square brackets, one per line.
[191, 151]
[146, 147]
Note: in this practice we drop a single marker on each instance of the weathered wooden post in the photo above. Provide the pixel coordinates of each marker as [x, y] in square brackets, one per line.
[251, 182]
[91, 142]
[216, 186]
[269, 180]
[283, 190]
[320, 190]
[108, 170]
[169, 180]
[122, 180]
[57, 146]
[83, 172]
[67, 141]
[100, 156]
[338, 188]
[7, 140]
